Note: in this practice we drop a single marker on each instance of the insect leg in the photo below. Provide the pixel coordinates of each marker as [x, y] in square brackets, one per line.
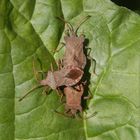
[46, 90]
[35, 87]
[63, 114]
[60, 64]
[52, 69]
[89, 96]
[59, 93]
[57, 50]
[92, 59]
[36, 72]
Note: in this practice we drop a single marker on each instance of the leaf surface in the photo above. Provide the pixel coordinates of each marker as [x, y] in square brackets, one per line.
[30, 31]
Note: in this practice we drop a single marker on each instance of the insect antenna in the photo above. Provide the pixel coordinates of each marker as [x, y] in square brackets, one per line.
[81, 22]
[35, 87]
[67, 23]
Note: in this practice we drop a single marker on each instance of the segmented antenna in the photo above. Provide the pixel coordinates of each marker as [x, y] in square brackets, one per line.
[67, 23]
[81, 22]
[78, 25]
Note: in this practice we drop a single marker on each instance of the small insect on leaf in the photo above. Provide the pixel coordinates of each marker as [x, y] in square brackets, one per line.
[70, 72]
[73, 99]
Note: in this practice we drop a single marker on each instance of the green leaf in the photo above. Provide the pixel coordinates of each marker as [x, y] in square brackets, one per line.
[30, 31]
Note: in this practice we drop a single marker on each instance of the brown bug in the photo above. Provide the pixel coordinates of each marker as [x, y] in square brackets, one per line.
[74, 54]
[67, 76]
[73, 62]
[73, 99]
[72, 65]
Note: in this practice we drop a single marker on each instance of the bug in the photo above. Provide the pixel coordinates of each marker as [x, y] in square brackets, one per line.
[73, 99]
[73, 64]
[67, 76]
[74, 44]
[73, 105]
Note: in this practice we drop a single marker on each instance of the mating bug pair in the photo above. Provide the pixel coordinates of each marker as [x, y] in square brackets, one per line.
[69, 76]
